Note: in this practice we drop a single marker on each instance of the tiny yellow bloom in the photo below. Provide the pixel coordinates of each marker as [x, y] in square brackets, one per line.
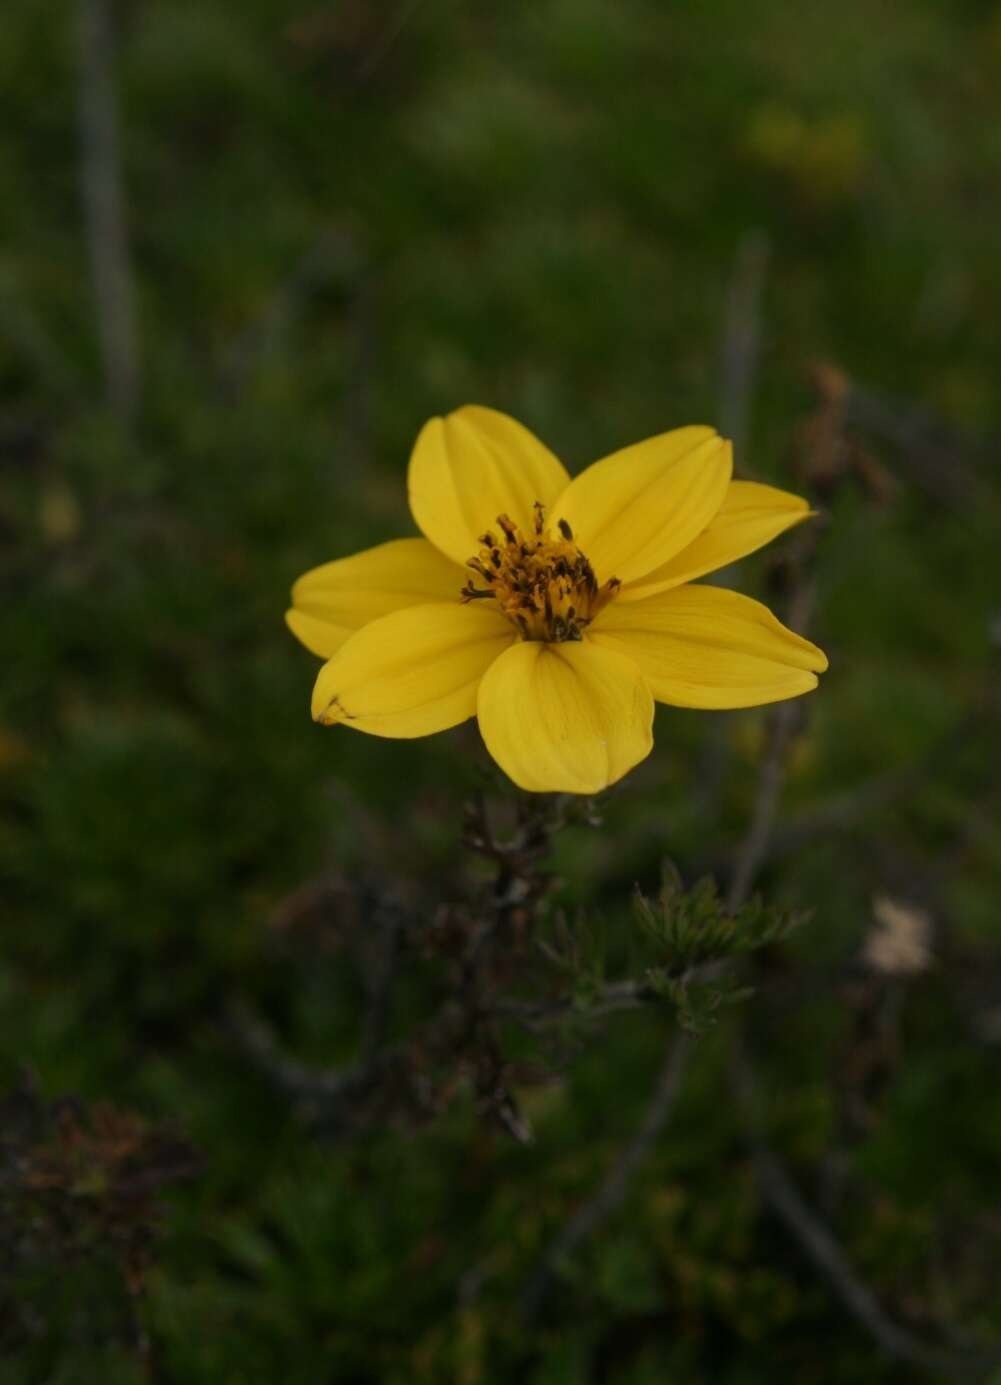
[556, 611]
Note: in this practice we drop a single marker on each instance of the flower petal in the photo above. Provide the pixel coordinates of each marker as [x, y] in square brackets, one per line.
[333, 601]
[637, 508]
[470, 467]
[413, 672]
[709, 647]
[565, 718]
[751, 516]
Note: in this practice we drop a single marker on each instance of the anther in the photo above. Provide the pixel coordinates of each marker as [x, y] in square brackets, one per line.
[566, 531]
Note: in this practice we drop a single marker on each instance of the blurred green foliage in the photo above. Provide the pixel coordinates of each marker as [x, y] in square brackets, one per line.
[345, 218]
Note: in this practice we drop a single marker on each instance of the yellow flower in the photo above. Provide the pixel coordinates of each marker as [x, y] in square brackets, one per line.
[554, 610]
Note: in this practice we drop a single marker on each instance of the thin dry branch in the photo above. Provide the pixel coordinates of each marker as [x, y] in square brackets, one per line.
[334, 255]
[380, 986]
[307, 1086]
[738, 377]
[611, 1191]
[104, 208]
[816, 1239]
[610, 1000]
[742, 338]
[936, 456]
[821, 1247]
[776, 1184]
[785, 720]
[847, 809]
[394, 29]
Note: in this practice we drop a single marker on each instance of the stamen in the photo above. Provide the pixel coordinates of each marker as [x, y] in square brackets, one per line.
[471, 593]
[541, 581]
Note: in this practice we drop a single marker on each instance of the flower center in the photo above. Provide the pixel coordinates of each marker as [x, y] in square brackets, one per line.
[543, 584]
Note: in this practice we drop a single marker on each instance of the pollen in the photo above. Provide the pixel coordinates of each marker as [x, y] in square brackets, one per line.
[541, 581]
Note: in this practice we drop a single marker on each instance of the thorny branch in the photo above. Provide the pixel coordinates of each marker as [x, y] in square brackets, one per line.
[483, 942]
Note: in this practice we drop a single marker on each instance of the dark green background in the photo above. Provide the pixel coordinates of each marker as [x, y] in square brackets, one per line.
[345, 218]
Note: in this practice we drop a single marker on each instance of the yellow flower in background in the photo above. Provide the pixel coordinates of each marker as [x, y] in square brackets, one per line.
[556, 611]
